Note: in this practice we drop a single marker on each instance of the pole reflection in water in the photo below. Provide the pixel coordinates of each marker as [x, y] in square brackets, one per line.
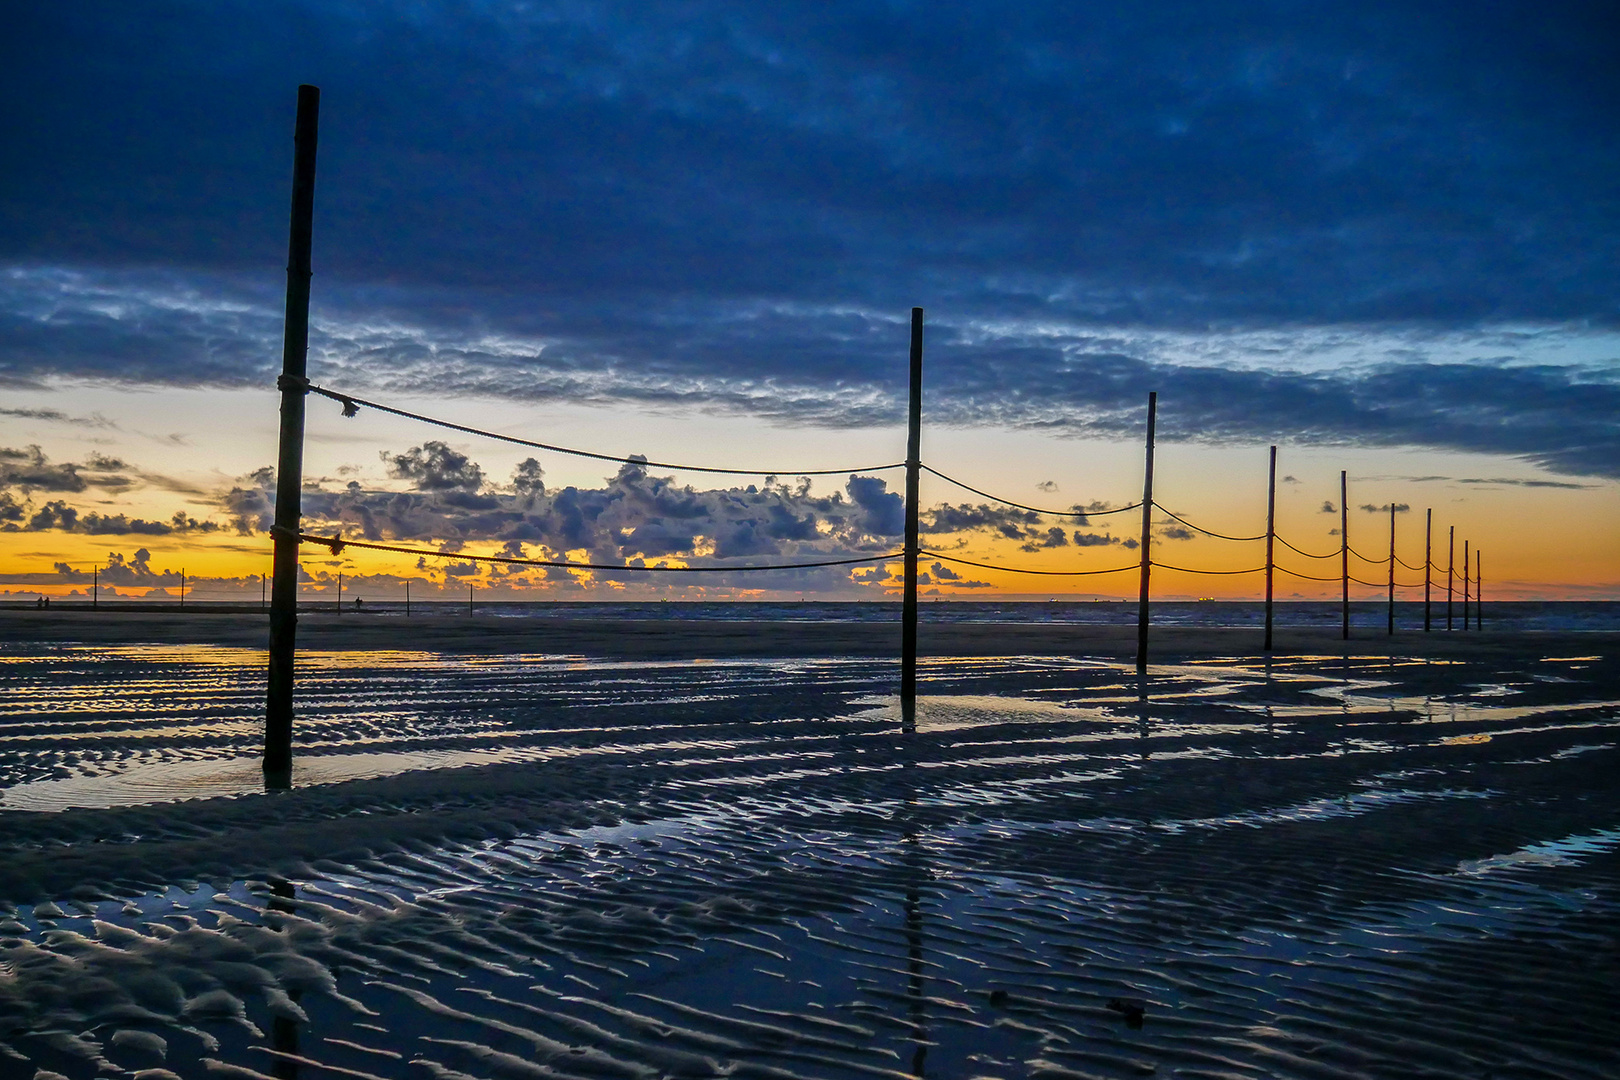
[1142, 723]
[284, 1029]
[916, 872]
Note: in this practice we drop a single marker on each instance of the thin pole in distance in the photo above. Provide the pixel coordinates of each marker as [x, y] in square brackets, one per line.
[1344, 548]
[1147, 536]
[1428, 562]
[1451, 570]
[1392, 568]
[1465, 584]
[1271, 539]
[908, 607]
[278, 712]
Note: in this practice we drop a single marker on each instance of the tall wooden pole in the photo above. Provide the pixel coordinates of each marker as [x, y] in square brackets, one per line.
[469, 598]
[1479, 589]
[1451, 569]
[407, 598]
[1465, 584]
[908, 609]
[1428, 562]
[1344, 548]
[278, 715]
[1392, 567]
[1271, 539]
[340, 593]
[1147, 537]
[95, 586]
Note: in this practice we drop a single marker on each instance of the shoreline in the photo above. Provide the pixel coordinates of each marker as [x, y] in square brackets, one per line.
[713, 639]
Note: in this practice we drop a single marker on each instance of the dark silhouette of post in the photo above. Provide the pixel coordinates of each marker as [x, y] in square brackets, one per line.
[1428, 562]
[469, 598]
[183, 590]
[262, 593]
[95, 586]
[1392, 568]
[407, 598]
[1344, 548]
[1451, 569]
[1147, 526]
[1271, 539]
[908, 605]
[1479, 589]
[1465, 585]
[340, 593]
[278, 715]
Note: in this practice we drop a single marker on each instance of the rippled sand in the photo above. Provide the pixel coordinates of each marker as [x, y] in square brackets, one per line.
[546, 864]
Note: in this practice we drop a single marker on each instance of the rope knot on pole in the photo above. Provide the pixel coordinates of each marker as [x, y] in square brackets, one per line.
[292, 384]
[291, 534]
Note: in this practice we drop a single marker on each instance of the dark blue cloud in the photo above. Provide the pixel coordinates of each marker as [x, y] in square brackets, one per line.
[734, 205]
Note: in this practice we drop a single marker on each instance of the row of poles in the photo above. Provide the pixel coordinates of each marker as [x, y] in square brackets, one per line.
[285, 532]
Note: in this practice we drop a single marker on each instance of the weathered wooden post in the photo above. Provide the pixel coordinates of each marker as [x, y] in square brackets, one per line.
[1392, 568]
[1147, 536]
[278, 715]
[1465, 584]
[1479, 590]
[1428, 561]
[1271, 539]
[407, 598]
[1344, 548]
[95, 586]
[908, 606]
[1451, 569]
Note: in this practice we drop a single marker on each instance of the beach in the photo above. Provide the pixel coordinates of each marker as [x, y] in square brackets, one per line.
[592, 846]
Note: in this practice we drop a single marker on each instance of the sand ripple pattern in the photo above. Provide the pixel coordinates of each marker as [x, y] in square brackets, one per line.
[544, 866]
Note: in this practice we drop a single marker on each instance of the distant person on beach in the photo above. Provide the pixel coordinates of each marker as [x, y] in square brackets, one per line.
[357, 603]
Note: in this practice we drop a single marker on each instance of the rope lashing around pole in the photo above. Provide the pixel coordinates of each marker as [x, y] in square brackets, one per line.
[337, 544]
[1308, 555]
[1185, 570]
[1307, 577]
[1020, 570]
[1207, 532]
[1082, 514]
[351, 406]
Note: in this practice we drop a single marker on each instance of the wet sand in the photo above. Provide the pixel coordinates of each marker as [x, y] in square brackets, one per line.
[714, 849]
[679, 638]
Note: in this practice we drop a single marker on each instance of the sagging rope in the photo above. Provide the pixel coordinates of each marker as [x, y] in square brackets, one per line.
[1307, 577]
[1307, 554]
[1020, 570]
[1207, 532]
[1082, 514]
[1185, 570]
[351, 406]
[337, 544]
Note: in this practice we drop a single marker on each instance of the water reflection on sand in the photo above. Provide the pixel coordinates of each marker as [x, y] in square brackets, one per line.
[544, 865]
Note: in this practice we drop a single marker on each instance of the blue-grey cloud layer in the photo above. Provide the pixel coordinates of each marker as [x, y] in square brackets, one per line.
[712, 200]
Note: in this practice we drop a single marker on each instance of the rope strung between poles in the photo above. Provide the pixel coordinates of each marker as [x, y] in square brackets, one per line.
[1034, 509]
[1385, 584]
[1307, 577]
[1185, 570]
[1409, 566]
[1019, 570]
[1363, 558]
[351, 406]
[337, 544]
[1219, 536]
[1308, 555]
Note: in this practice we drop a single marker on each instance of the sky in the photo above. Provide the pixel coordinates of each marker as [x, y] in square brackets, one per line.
[1381, 236]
